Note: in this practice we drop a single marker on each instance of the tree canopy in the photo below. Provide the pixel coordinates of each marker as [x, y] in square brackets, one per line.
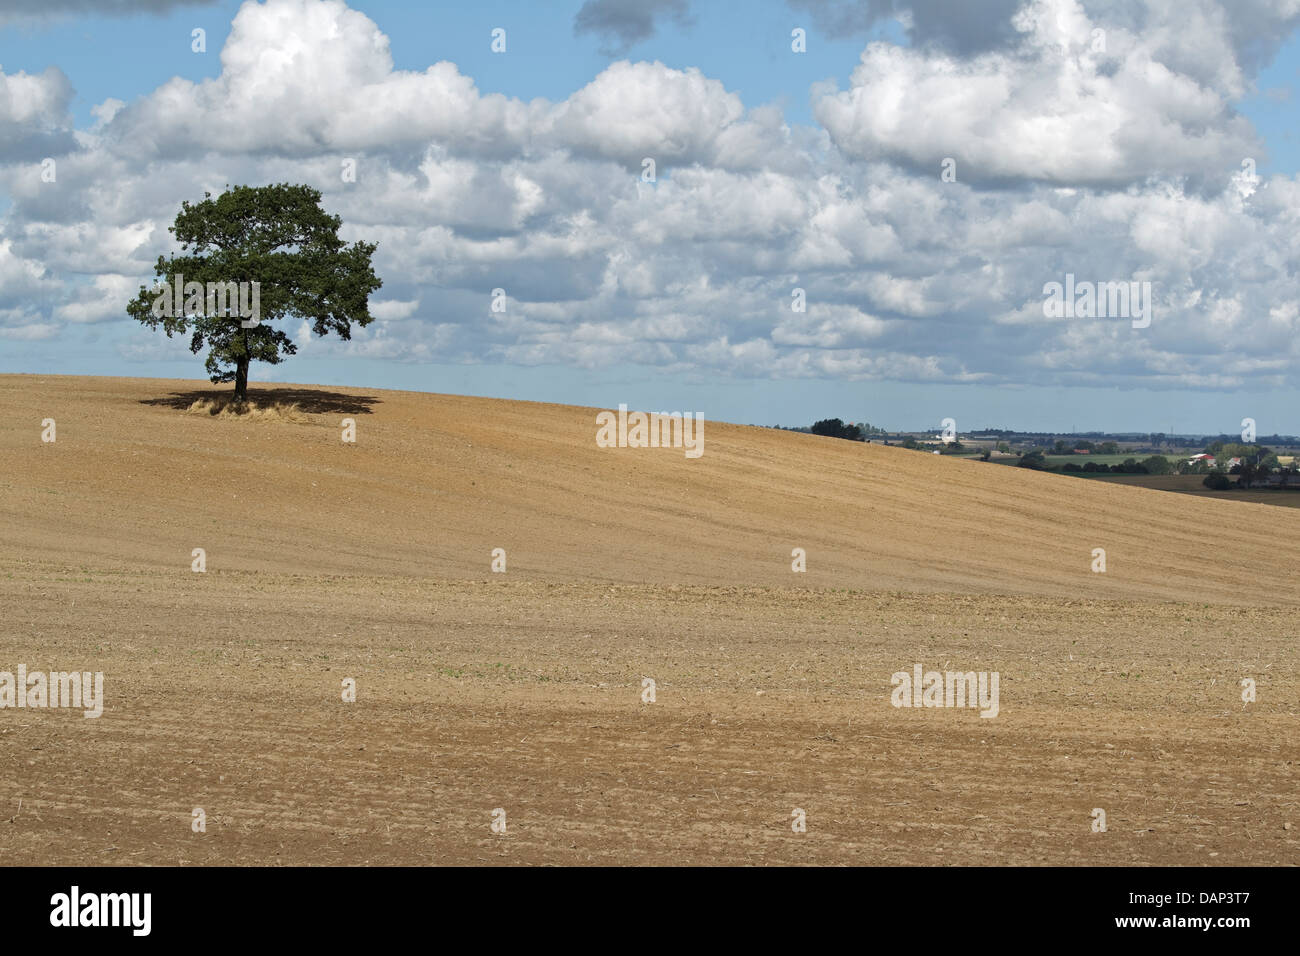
[835, 428]
[272, 247]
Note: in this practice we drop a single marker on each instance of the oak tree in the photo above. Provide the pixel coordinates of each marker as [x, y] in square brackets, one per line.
[272, 246]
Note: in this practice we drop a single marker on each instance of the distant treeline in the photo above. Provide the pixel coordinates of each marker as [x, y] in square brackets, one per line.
[837, 428]
[1154, 465]
[1063, 442]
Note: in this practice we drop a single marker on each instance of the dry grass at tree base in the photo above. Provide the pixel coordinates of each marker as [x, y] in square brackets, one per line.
[229, 408]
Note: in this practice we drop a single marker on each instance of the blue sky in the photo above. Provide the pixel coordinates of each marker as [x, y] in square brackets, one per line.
[922, 296]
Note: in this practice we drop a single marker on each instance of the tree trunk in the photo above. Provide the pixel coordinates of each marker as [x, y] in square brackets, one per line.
[241, 380]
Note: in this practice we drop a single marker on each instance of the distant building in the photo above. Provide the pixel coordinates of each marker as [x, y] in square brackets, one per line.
[1206, 459]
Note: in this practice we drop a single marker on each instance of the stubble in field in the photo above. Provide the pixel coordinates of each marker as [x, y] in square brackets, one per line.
[329, 565]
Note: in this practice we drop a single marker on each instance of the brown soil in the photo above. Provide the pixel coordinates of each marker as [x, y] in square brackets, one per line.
[522, 690]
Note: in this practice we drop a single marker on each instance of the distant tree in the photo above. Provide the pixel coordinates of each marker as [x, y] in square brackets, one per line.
[1032, 459]
[278, 237]
[1004, 448]
[987, 454]
[834, 428]
[829, 427]
[1157, 465]
[910, 442]
[1226, 449]
[1217, 482]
